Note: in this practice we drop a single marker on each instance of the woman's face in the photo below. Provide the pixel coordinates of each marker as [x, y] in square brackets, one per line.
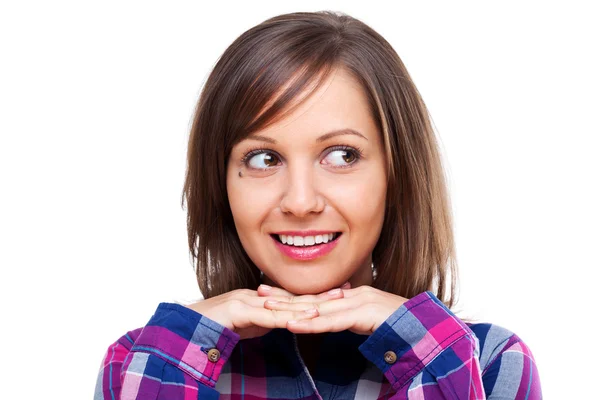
[309, 177]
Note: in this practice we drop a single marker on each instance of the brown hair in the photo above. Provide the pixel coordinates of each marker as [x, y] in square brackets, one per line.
[255, 83]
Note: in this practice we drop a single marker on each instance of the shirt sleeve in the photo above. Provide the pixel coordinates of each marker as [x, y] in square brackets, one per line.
[426, 352]
[179, 354]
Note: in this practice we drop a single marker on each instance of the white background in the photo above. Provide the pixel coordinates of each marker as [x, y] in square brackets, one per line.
[96, 100]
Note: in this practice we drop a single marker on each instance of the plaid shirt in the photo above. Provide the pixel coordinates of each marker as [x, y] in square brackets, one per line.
[422, 351]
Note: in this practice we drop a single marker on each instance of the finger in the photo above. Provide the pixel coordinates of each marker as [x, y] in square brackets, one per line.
[366, 292]
[323, 308]
[361, 290]
[283, 295]
[266, 290]
[355, 320]
[309, 298]
[287, 306]
[255, 316]
[330, 323]
[253, 300]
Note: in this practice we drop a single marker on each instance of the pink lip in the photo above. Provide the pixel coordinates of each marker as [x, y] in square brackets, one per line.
[306, 253]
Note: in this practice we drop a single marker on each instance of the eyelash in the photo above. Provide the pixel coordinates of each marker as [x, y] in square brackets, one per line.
[358, 153]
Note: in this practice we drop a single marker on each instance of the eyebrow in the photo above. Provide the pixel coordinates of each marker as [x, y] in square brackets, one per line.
[322, 138]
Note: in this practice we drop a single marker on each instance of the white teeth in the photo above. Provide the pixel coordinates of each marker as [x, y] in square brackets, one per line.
[306, 240]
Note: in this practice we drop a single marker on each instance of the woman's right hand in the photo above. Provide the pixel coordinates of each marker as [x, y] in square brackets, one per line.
[243, 310]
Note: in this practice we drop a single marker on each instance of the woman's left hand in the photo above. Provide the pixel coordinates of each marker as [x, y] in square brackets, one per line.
[361, 310]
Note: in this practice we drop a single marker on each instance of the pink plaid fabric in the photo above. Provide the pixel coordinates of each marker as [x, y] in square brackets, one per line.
[438, 356]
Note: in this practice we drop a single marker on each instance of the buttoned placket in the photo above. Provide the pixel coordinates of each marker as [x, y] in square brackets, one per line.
[316, 393]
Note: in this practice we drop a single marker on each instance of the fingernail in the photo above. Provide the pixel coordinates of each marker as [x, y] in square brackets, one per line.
[292, 322]
[272, 302]
[265, 287]
[311, 311]
[346, 285]
[334, 292]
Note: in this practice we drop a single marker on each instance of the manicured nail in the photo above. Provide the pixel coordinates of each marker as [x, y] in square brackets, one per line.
[265, 287]
[333, 292]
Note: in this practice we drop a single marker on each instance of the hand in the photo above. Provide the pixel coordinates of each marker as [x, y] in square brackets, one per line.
[361, 310]
[243, 310]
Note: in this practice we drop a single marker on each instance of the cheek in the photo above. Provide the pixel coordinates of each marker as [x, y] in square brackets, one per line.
[361, 201]
[249, 202]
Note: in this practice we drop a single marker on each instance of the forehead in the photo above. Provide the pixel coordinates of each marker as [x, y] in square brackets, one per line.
[339, 103]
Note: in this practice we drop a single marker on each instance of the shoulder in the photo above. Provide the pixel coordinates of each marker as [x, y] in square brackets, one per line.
[501, 349]
[505, 361]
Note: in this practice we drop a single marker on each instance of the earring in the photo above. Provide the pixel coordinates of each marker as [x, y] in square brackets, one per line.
[374, 271]
[240, 174]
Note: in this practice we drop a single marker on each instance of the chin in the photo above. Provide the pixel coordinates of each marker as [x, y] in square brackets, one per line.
[299, 288]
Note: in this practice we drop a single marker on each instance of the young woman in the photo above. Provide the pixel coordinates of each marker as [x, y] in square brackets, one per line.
[320, 226]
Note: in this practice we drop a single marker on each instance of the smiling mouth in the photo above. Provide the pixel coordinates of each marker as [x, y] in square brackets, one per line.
[306, 241]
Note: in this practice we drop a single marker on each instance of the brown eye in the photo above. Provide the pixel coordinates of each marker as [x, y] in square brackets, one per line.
[270, 160]
[348, 157]
[262, 160]
[342, 157]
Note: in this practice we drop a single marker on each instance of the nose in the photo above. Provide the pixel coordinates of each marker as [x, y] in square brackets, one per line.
[301, 195]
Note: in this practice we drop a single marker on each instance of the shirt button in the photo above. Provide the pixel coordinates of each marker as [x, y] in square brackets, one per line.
[214, 355]
[390, 357]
